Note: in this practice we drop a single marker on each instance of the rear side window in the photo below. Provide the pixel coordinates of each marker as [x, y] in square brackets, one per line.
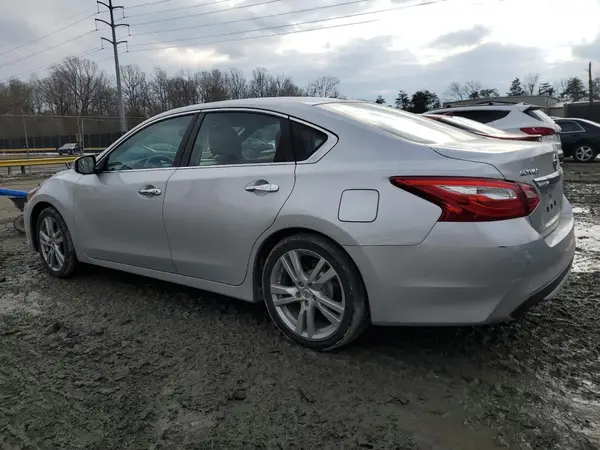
[306, 140]
[481, 115]
[411, 127]
[569, 127]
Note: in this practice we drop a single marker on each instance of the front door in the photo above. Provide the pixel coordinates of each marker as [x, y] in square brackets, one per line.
[118, 211]
[239, 175]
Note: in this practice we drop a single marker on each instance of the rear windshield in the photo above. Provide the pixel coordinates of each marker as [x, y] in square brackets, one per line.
[401, 124]
[539, 115]
[473, 125]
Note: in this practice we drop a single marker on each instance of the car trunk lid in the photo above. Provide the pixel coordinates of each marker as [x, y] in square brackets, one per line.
[536, 164]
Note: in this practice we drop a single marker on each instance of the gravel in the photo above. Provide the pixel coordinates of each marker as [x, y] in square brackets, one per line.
[112, 360]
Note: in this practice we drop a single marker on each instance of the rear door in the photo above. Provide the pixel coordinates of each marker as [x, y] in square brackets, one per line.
[227, 193]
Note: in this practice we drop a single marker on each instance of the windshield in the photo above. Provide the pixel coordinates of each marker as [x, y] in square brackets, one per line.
[401, 124]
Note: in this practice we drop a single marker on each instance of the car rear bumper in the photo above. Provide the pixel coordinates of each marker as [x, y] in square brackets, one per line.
[467, 273]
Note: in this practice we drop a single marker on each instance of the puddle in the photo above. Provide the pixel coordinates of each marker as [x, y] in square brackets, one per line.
[587, 256]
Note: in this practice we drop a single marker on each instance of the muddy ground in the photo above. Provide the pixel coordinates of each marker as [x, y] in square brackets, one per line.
[110, 360]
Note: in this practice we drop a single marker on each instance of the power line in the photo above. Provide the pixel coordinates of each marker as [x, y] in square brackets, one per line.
[258, 37]
[345, 16]
[68, 41]
[47, 66]
[228, 22]
[47, 35]
[214, 2]
[141, 5]
[206, 13]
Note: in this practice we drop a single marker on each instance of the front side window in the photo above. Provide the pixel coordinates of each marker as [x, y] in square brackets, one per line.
[227, 138]
[152, 147]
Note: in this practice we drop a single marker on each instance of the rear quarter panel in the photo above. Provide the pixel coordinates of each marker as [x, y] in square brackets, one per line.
[366, 161]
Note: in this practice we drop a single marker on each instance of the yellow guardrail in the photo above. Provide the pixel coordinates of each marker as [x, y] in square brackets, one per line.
[35, 161]
[44, 150]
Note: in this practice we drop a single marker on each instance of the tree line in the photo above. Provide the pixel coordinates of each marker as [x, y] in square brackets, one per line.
[571, 89]
[568, 90]
[78, 87]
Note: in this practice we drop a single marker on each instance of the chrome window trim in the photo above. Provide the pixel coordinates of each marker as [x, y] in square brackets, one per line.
[245, 109]
[287, 163]
[148, 122]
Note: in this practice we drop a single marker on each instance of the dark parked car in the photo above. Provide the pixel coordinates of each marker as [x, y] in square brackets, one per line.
[580, 138]
[69, 149]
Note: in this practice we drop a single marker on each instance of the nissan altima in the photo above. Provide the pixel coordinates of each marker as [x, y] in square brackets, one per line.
[358, 214]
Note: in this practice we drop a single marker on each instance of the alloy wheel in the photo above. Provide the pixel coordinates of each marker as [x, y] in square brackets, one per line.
[584, 153]
[52, 244]
[308, 295]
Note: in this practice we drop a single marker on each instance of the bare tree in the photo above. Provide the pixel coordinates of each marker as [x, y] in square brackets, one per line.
[55, 92]
[237, 86]
[135, 91]
[212, 86]
[455, 91]
[531, 82]
[471, 89]
[261, 83]
[325, 86]
[160, 90]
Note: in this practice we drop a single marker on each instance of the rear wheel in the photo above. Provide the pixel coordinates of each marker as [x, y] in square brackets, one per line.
[55, 244]
[585, 153]
[314, 293]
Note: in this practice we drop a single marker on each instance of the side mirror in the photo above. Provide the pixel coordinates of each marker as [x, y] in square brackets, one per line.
[85, 165]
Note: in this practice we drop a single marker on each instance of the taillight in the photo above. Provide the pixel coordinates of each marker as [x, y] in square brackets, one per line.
[472, 199]
[542, 131]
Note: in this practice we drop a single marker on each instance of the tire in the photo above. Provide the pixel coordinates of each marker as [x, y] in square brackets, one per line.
[59, 235]
[345, 290]
[585, 153]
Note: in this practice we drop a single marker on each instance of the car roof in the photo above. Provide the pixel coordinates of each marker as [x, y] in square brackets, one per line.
[276, 104]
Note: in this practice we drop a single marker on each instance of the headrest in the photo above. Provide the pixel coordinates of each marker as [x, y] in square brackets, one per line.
[224, 141]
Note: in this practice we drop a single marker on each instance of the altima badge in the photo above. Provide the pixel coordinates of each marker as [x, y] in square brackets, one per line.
[525, 172]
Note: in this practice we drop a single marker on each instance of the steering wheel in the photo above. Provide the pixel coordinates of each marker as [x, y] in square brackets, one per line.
[158, 160]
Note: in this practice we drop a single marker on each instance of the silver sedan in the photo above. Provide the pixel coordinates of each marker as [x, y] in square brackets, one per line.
[358, 214]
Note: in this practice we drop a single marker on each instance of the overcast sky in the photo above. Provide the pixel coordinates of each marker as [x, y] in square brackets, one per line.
[399, 44]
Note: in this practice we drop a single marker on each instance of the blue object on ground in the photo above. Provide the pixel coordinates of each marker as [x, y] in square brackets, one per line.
[13, 193]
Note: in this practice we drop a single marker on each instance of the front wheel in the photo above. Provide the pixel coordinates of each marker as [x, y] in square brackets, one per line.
[585, 153]
[55, 244]
[314, 293]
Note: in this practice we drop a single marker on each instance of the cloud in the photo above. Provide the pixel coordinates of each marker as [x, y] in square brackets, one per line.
[409, 48]
[462, 38]
[589, 51]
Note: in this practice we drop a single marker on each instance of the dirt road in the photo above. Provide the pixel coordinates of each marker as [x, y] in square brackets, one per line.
[110, 360]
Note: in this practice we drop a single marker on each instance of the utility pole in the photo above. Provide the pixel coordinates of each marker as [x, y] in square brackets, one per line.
[115, 44]
[590, 83]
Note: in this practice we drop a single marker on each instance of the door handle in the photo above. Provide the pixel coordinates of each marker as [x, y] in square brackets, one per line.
[264, 186]
[150, 190]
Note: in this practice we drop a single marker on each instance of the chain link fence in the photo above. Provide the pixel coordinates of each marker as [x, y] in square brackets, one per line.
[35, 134]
